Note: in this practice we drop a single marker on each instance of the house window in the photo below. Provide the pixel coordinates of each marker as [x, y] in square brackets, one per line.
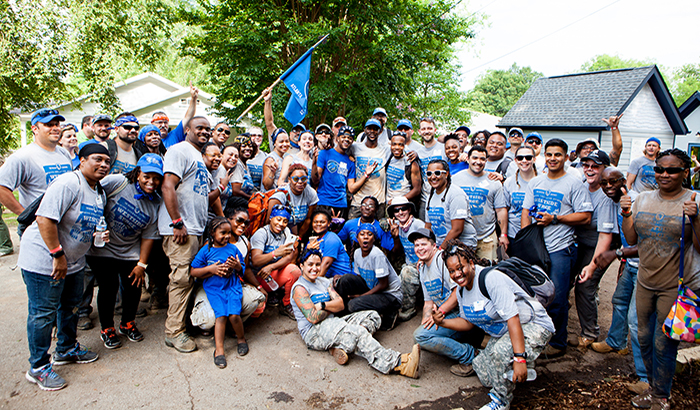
[185, 102]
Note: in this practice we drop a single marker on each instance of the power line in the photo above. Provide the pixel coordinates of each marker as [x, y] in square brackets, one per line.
[541, 38]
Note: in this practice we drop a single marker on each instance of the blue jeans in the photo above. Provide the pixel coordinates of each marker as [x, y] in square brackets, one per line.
[51, 301]
[562, 268]
[625, 316]
[445, 342]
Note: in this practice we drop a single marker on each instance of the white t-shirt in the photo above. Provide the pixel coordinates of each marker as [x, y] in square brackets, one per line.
[375, 185]
[374, 267]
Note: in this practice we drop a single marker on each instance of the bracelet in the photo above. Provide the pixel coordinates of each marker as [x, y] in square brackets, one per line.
[442, 311]
[141, 264]
[221, 189]
[177, 220]
[626, 214]
[323, 305]
[56, 249]
[613, 128]
[519, 360]
[259, 287]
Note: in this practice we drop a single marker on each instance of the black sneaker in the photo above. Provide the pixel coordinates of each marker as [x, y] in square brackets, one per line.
[110, 338]
[131, 331]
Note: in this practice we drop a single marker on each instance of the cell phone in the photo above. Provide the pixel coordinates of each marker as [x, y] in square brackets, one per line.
[291, 239]
[313, 238]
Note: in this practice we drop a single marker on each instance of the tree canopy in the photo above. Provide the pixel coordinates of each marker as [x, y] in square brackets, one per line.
[603, 62]
[686, 81]
[496, 91]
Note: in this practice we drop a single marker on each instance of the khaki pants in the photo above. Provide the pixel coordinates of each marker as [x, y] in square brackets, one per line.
[487, 247]
[181, 282]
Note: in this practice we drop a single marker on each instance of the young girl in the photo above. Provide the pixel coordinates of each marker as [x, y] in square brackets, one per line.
[220, 263]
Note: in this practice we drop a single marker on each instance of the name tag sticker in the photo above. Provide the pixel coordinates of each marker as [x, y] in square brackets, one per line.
[479, 305]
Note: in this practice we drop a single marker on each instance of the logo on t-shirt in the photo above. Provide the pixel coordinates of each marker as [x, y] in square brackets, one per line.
[201, 181]
[516, 201]
[121, 167]
[548, 201]
[395, 177]
[85, 224]
[477, 199]
[52, 171]
[369, 276]
[437, 292]
[648, 177]
[126, 219]
[363, 163]
[436, 215]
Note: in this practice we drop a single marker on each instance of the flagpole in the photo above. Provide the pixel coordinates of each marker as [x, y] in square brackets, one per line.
[273, 85]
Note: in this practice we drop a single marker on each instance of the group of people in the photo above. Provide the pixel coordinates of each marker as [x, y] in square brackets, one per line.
[357, 225]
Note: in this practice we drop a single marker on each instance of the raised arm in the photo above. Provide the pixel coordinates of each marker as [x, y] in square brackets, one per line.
[192, 108]
[267, 111]
[613, 122]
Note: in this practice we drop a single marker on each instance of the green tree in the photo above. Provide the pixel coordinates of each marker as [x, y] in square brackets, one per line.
[373, 56]
[496, 91]
[686, 81]
[603, 62]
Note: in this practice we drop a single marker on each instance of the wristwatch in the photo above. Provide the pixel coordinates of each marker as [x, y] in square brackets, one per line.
[177, 224]
[57, 254]
[523, 355]
[619, 254]
[323, 305]
[555, 220]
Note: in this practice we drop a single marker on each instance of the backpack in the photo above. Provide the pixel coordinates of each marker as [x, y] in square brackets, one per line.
[531, 278]
[503, 166]
[257, 208]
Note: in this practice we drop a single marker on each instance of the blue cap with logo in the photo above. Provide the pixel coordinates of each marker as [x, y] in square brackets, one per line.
[373, 121]
[404, 123]
[379, 110]
[45, 115]
[151, 163]
[534, 134]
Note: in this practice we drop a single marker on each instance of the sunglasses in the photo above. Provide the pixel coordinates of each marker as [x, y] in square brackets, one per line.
[437, 173]
[324, 132]
[255, 135]
[46, 113]
[402, 128]
[284, 207]
[524, 157]
[368, 206]
[131, 127]
[669, 170]
[534, 142]
[220, 129]
[402, 208]
[243, 221]
[296, 180]
[613, 181]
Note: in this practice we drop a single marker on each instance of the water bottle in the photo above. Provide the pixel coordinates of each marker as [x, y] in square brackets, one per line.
[531, 375]
[271, 283]
[101, 227]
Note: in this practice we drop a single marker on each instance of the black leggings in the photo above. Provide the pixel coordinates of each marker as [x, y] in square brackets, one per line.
[107, 271]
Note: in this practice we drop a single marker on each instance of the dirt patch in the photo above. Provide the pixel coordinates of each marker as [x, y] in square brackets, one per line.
[320, 401]
[280, 396]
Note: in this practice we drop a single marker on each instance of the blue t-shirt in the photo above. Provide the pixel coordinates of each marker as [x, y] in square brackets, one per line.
[337, 169]
[224, 294]
[174, 136]
[332, 246]
[349, 231]
[459, 166]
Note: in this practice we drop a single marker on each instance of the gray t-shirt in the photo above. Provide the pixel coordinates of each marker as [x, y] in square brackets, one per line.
[76, 208]
[507, 300]
[374, 267]
[375, 185]
[514, 194]
[128, 220]
[425, 155]
[185, 161]
[255, 168]
[318, 292]
[278, 160]
[32, 169]
[562, 196]
[267, 241]
[408, 248]
[299, 203]
[645, 179]
[435, 281]
[125, 161]
[485, 196]
[604, 218]
[441, 213]
[397, 182]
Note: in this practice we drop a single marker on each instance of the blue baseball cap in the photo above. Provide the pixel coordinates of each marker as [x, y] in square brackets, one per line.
[45, 115]
[301, 127]
[151, 163]
[405, 123]
[534, 135]
[373, 121]
[465, 129]
[653, 139]
[379, 110]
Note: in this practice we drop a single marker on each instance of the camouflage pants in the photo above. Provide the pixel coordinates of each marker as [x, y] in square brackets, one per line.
[410, 283]
[353, 333]
[493, 361]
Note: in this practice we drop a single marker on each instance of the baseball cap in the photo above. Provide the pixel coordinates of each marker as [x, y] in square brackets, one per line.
[151, 163]
[301, 127]
[346, 130]
[534, 135]
[599, 157]
[339, 120]
[465, 129]
[321, 127]
[653, 139]
[421, 233]
[101, 117]
[373, 121]
[45, 115]
[379, 110]
[516, 129]
[405, 123]
[587, 141]
[398, 201]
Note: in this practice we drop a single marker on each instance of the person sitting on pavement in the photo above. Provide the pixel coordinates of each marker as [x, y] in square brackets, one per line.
[335, 259]
[315, 302]
[300, 197]
[437, 289]
[348, 234]
[274, 251]
[220, 265]
[53, 274]
[374, 284]
[518, 324]
[131, 213]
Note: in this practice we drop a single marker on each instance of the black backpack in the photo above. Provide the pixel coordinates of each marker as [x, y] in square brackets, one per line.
[531, 278]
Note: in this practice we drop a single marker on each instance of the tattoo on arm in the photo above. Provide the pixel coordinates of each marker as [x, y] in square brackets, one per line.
[303, 300]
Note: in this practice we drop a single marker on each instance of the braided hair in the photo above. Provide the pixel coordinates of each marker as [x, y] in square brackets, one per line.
[454, 247]
[446, 167]
[683, 157]
[213, 225]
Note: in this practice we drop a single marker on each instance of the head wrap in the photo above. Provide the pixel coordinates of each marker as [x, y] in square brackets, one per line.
[367, 227]
[653, 139]
[280, 211]
[123, 120]
[310, 253]
[243, 138]
[94, 148]
[276, 134]
[160, 117]
[145, 130]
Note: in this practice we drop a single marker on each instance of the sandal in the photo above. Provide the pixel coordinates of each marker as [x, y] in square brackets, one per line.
[219, 361]
[242, 349]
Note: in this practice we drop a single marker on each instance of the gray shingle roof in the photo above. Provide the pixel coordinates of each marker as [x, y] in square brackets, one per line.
[577, 100]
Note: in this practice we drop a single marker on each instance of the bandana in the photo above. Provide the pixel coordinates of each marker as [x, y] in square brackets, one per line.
[94, 148]
[310, 253]
[160, 117]
[123, 120]
[367, 227]
[145, 130]
[283, 212]
[141, 195]
[242, 139]
[405, 227]
[276, 134]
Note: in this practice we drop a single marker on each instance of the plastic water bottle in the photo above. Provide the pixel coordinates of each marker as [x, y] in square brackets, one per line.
[272, 283]
[531, 375]
[101, 227]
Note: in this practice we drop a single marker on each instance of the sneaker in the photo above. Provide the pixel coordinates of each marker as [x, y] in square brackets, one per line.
[496, 405]
[85, 323]
[286, 310]
[142, 312]
[273, 299]
[340, 356]
[583, 343]
[110, 338]
[409, 363]
[638, 387]
[183, 343]
[550, 352]
[158, 303]
[462, 370]
[660, 404]
[389, 320]
[74, 355]
[131, 331]
[145, 295]
[46, 378]
[642, 400]
[406, 315]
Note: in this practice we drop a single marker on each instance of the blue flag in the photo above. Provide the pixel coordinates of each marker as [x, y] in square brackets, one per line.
[296, 78]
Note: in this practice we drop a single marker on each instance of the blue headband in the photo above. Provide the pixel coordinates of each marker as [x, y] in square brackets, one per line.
[276, 134]
[123, 120]
[367, 227]
[653, 139]
[310, 253]
[283, 212]
[145, 130]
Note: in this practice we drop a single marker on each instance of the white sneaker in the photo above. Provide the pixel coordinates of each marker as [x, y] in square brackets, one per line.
[496, 405]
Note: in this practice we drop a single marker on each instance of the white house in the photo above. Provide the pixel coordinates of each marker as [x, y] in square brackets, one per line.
[690, 113]
[142, 95]
[571, 107]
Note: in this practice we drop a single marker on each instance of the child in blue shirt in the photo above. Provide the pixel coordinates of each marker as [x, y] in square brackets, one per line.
[220, 264]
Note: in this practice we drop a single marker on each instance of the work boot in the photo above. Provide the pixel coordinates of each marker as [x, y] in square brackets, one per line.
[603, 347]
[183, 343]
[550, 352]
[462, 370]
[409, 363]
[340, 356]
[638, 387]
[583, 343]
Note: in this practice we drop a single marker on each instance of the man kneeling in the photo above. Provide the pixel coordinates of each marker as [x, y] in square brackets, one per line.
[315, 301]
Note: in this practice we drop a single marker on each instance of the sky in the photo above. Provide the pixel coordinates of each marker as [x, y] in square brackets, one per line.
[665, 31]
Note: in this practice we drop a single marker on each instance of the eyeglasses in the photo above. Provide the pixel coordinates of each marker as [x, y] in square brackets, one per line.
[243, 221]
[427, 119]
[402, 208]
[255, 135]
[217, 155]
[221, 129]
[524, 157]
[368, 206]
[669, 170]
[534, 142]
[613, 181]
[437, 173]
[296, 180]
[478, 139]
[131, 127]
[515, 135]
